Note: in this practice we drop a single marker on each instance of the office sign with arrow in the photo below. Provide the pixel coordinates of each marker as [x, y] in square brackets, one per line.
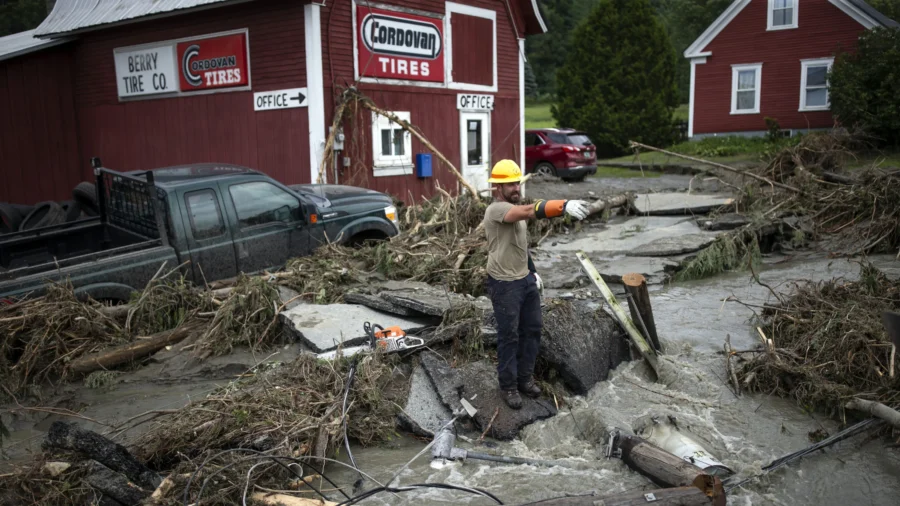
[279, 99]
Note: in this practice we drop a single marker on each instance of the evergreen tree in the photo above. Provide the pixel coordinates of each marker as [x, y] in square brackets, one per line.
[618, 79]
[531, 87]
[890, 8]
[545, 51]
[20, 15]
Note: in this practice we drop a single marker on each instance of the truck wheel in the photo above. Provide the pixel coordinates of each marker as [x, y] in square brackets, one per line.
[73, 211]
[10, 219]
[86, 195]
[44, 214]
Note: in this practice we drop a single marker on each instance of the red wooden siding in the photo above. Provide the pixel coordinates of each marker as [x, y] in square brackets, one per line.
[38, 138]
[433, 110]
[823, 31]
[219, 127]
[473, 49]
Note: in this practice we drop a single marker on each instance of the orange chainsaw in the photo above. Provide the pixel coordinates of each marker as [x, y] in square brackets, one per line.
[389, 340]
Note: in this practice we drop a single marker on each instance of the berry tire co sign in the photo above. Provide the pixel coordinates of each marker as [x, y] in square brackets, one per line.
[398, 45]
[184, 66]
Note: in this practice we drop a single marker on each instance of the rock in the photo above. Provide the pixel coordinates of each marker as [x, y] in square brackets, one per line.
[445, 379]
[670, 246]
[54, 469]
[727, 221]
[289, 297]
[673, 203]
[379, 303]
[323, 327]
[424, 407]
[582, 344]
[480, 388]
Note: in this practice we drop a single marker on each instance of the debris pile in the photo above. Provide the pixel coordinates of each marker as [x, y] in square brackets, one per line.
[826, 344]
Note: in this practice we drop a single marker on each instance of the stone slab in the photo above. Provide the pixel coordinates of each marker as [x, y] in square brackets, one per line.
[680, 203]
[445, 379]
[480, 388]
[424, 406]
[289, 297]
[622, 235]
[323, 327]
[433, 301]
[671, 246]
[727, 221]
[582, 343]
[379, 303]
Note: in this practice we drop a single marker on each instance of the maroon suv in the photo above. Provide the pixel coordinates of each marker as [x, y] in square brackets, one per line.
[562, 152]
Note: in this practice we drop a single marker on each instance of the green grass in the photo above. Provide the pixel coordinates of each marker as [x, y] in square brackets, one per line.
[537, 115]
[623, 172]
[681, 113]
[723, 149]
[882, 160]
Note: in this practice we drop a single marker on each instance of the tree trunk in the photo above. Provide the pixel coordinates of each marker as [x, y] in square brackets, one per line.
[663, 468]
[128, 352]
[639, 304]
[67, 436]
[876, 409]
[684, 496]
[600, 205]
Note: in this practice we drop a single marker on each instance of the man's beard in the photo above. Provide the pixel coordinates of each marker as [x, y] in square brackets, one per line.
[512, 197]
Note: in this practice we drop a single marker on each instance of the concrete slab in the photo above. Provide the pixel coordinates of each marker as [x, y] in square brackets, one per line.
[323, 327]
[424, 406]
[727, 221]
[680, 203]
[625, 234]
[289, 297]
[445, 379]
[377, 302]
[431, 301]
[671, 246]
[655, 269]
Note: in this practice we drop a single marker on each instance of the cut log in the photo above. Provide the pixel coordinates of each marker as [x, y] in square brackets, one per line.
[646, 351]
[663, 468]
[128, 352]
[636, 286]
[683, 496]
[115, 485]
[875, 409]
[288, 500]
[68, 436]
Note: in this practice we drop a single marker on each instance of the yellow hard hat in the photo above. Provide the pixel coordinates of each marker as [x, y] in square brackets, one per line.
[505, 171]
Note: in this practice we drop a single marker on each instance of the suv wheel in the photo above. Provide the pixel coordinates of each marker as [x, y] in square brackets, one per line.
[545, 169]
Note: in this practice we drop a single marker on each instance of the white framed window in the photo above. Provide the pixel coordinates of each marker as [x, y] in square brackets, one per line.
[746, 82]
[391, 145]
[814, 84]
[468, 10]
[782, 14]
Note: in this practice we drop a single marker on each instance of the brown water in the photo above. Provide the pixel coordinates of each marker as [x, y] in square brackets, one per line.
[693, 319]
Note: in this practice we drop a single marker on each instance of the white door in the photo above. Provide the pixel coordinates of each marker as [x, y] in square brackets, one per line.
[475, 138]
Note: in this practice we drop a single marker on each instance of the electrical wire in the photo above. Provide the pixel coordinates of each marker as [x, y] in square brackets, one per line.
[408, 488]
[429, 445]
[350, 377]
[247, 485]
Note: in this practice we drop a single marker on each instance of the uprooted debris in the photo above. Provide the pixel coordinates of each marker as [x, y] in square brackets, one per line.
[825, 344]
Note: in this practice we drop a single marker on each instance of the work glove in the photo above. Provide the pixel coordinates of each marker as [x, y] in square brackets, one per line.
[576, 209]
[540, 283]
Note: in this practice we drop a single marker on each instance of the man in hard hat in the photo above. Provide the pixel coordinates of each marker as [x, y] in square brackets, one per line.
[512, 282]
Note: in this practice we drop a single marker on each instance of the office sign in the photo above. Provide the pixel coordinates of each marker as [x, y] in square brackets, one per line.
[471, 102]
[399, 45]
[279, 99]
[214, 62]
[146, 71]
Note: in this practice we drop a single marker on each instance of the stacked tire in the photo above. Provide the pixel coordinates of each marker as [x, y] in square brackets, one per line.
[17, 218]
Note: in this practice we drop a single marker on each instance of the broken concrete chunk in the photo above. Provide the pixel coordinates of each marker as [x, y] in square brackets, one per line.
[424, 407]
[445, 379]
[670, 246]
[379, 303]
[324, 327]
[727, 221]
[679, 203]
[434, 301]
[289, 297]
[582, 343]
[480, 388]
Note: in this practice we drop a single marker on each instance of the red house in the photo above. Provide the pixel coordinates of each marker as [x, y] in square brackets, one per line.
[769, 59]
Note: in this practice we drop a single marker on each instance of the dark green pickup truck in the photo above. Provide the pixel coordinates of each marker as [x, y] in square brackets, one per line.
[217, 220]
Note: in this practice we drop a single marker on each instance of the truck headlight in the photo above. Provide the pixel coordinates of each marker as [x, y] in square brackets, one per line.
[390, 212]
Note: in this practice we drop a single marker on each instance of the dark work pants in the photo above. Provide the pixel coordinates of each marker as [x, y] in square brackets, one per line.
[517, 308]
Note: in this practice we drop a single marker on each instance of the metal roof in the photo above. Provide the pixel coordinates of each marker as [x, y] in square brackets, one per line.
[874, 14]
[21, 43]
[79, 15]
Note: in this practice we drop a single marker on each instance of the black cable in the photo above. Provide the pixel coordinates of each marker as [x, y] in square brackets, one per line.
[350, 378]
[407, 488]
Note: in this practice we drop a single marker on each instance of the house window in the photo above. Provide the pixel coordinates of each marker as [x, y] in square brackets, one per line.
[814, 84]
[471, 47]
[745, 86]
[392, 146]
[782, 14]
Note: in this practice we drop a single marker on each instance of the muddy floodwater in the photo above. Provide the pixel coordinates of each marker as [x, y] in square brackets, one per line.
[692, 319]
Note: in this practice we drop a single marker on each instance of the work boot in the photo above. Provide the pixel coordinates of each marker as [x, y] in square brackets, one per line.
[530, 389]
[512, 398]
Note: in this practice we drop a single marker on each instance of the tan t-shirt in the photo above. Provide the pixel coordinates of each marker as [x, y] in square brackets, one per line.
[507, 244]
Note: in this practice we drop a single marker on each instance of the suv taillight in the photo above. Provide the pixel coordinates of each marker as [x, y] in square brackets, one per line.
[570, 148]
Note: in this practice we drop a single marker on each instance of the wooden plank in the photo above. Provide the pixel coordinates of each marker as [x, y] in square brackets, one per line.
[646, 351]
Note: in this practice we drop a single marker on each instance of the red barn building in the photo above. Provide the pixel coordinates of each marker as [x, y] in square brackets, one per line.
[144, 85]
[769, 59]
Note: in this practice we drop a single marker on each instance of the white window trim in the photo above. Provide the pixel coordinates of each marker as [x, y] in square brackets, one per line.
[770, 17]
[735, 69]
[467, 10]
[390, 165]
[804, 65]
